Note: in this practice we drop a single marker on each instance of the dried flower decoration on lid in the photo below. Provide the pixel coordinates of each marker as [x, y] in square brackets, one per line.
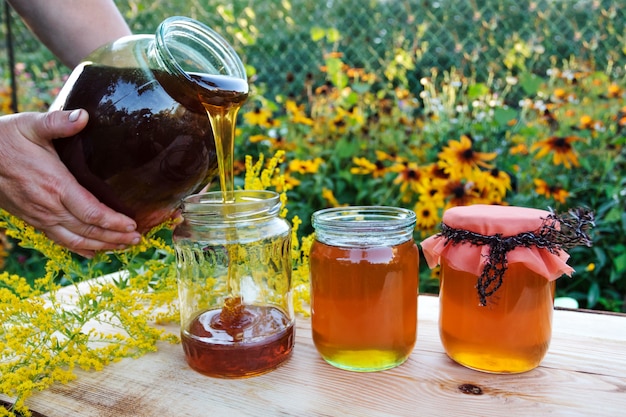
[484, 239]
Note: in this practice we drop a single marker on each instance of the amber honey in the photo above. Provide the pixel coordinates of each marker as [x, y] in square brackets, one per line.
[257, 340]
[364, 304]
[510, 334]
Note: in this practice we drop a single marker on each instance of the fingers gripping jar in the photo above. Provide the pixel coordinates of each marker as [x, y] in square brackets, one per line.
[364, 286]
[498, 270]
[234, 280]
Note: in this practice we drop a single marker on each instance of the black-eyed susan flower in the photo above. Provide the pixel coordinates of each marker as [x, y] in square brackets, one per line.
[297, 113]
[427, 215]
[561, 148]
[409, 176]
[329, 197]
[259, 117]
[588, 123]
[459, 193]
[615, 91]
[459, 158]
[301, 166]
[551, 191]
[497, 180]
[519, 149]
[363, 166]
[431, 190]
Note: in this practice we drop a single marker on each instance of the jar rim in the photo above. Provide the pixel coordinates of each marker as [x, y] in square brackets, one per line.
[363, 218]
[176, 34]
[210, 206]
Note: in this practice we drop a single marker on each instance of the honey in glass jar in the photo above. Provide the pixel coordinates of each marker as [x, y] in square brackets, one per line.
[234, 283]
[364, 287]
[498, 270]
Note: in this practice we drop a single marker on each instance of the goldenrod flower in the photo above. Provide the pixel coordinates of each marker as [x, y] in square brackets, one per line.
[563, 151]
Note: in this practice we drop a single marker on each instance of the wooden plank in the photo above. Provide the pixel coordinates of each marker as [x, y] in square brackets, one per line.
[584, 374]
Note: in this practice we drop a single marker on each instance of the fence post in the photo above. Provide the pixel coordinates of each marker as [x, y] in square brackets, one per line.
[11, 56]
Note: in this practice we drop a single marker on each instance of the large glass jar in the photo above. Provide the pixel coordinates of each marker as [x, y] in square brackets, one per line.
[497, 280]
[234, 281]
[149, 142]
[364, 286]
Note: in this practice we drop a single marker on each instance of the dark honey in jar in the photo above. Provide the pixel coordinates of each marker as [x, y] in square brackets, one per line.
[149, 141]
[234, 280]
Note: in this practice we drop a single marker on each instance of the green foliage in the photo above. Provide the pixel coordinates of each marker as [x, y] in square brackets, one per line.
[412, 91]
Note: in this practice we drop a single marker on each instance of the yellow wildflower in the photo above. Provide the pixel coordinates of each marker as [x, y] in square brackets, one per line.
[563, 151]
[459, 158]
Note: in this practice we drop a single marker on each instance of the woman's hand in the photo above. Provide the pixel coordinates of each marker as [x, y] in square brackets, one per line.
[38, 188]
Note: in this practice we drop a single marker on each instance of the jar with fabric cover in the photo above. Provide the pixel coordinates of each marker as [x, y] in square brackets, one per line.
[497, 282]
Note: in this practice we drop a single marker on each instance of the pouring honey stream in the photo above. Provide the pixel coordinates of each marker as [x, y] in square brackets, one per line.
[222, 97]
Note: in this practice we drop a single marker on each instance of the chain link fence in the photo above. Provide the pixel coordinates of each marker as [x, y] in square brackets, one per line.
[288, 38]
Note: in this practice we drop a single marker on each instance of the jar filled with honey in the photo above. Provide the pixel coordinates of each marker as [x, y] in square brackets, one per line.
[234, 281]
[364, 286]
[497, 282]
[149, 141]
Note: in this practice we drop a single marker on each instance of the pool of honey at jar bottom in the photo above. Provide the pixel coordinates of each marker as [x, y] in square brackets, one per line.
[364, 305]
[264, 344]
[511, 334]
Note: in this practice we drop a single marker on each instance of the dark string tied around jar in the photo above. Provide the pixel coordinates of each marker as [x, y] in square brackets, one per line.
[557, 232]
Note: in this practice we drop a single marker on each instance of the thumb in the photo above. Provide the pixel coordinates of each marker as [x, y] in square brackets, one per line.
[57, 124]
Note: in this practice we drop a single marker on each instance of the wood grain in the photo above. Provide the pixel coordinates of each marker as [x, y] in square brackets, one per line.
[584, 374]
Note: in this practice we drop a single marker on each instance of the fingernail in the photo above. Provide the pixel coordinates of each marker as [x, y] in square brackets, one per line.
[136, 240]
[74, 115]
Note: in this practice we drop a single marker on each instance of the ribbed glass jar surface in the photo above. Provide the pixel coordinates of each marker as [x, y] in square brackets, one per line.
[234, 277]
[364, 286]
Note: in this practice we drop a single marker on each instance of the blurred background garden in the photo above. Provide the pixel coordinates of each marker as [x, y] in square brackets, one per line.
[415, 103]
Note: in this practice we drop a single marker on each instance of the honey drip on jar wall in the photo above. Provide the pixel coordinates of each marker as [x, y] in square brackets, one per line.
[237, 340]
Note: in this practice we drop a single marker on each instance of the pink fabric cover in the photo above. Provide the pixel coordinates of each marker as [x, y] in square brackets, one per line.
[488, 220]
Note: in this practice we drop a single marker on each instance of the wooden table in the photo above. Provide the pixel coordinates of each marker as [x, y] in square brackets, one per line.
[583, 374]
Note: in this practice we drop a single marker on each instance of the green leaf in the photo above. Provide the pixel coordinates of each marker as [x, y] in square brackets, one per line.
[593, 295]
[619, 263]
[530, 83]
[504, 115]
[477, 90]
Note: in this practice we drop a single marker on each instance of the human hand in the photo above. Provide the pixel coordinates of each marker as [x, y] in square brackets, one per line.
[38, 188]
